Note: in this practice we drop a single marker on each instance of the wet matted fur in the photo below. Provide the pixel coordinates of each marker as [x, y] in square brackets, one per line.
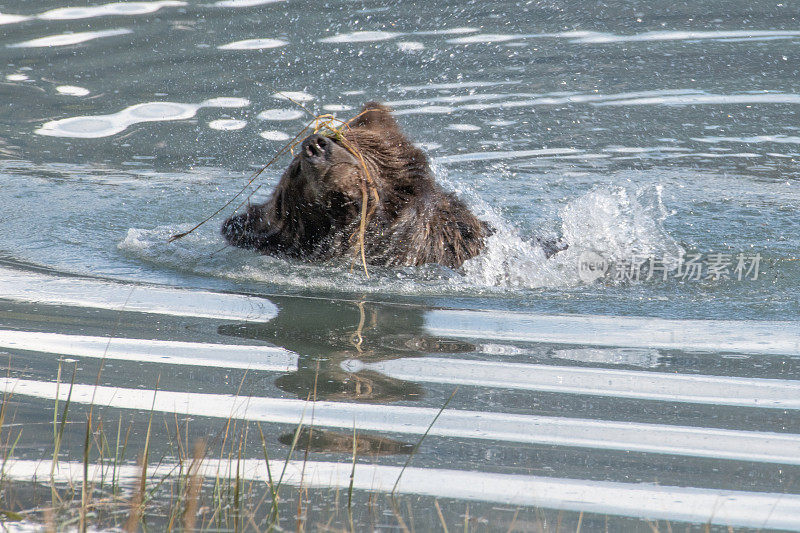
[315, 211]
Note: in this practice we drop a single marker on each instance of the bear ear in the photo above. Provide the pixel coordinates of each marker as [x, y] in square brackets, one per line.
[374, 115]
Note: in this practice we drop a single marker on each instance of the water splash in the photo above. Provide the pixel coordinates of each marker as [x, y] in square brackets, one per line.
[613, 222]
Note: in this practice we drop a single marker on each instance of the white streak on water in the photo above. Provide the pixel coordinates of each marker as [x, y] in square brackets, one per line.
[410, 46]
[754, 446]
[706, 99]
[267, 358]
[254, 44]
[93, 127]
[741, 336]
[361, 37]
[487, 38]
[115, 8]
[463, 127]
[280, 114]
[34, 287]
[448, 31]
[72, 90]
[779, 139]
[17, 77]
[455, 85]
[67, 39]
[274, 135]
[227, 124]
[593, 38]
[333, 108]
[297, 96]
[12, 19]
[426, 110]
[244, 3]
[493, 156]
[645, 500]
[717, 390]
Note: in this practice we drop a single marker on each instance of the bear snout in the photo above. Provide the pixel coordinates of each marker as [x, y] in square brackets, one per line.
[316, 147]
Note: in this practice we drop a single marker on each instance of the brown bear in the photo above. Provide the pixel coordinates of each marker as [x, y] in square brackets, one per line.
[315, 211]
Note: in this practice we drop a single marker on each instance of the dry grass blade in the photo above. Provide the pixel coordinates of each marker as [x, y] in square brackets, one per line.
[441, 516]
[193, 489]
[416, 447]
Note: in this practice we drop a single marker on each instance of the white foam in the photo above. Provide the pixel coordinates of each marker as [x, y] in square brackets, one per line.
[72, 90]
[740, 336]
[410, 46]
[268, 358]
[618, 224]
[115, 8]
[34, 287]
[281, 114]
[732, 508]
[227, 124]
[756, 446]
[361, 37]
[17, 77]
[297, 96]
[254, 44]
[92, 127]
[274, 135]
[244, 3]
[68, 39]
[716, 390]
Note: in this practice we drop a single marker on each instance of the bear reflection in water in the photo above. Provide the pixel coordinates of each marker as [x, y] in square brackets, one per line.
[319, 440]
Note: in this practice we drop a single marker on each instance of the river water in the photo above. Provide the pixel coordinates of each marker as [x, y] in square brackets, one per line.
[661, 142]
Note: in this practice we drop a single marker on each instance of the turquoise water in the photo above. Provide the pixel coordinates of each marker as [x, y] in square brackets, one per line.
[633, 131]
